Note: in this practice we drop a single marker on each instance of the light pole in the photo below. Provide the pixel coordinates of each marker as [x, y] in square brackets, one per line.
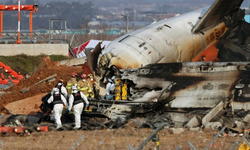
[126, 17]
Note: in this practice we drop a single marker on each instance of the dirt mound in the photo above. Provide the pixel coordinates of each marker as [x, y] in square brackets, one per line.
[28, 105]
[45, 70]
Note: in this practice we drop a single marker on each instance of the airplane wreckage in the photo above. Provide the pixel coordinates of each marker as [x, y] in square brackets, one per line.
[170, 72]
[149, 60]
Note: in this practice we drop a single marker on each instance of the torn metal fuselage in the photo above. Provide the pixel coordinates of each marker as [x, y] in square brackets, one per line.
[187, 86]
[172, 43]
[160, 47]
[191, 84]
[178, 39]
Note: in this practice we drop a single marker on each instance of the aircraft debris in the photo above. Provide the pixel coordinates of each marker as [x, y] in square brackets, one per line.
[162, 88]
[173, 43]
[19, 130]
[212, 89]
[213, 125]
[209, 116]
[6, 129]
[186, 91]
[197, 129]
[234, 44]
[176, 130]
[42, 128]
[194, 122]
[247, 118]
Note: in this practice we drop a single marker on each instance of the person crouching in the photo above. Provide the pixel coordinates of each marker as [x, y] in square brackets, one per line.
[58, 100]
[76, 101]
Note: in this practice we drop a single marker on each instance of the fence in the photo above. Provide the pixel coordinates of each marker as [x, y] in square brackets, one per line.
[128, 137]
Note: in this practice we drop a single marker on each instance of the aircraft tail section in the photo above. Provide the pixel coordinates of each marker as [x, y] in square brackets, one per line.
[216, 13]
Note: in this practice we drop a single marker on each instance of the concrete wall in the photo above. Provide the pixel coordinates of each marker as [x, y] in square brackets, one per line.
[34, 49]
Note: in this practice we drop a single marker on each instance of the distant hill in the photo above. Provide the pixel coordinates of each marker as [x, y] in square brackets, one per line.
[113, 3]
[118, 2]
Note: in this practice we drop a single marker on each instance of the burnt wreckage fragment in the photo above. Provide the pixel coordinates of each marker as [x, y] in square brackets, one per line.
[209, 88]
[234, 44]
[180, 94]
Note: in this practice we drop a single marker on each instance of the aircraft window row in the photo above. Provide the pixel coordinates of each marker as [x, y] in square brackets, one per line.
[223, 87]
[142, 44]
[209, 86]
[162, 71]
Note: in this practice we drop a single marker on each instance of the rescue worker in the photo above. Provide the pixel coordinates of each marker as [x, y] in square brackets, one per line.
[110, 87]
[58, 101]
[71, 82]
[61, 88]
[90, 81]
[76, 101]
[96, 87]
[83, 85]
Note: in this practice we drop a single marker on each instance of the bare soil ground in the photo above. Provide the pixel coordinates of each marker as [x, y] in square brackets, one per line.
[14, 94]
[115, 139]
[106, 139]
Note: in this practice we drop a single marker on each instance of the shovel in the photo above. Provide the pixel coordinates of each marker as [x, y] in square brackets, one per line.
[26, 89]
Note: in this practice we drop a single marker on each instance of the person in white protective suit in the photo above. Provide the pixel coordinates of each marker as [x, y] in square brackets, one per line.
[58, 101]
[76, 101]
[110, 87]
[62, 90]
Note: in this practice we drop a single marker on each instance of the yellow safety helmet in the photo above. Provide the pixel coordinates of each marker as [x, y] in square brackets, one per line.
[118, 80]
[90, 75]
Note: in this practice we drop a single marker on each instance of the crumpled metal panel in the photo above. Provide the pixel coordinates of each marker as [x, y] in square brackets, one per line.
[190, 85]
[216, 13]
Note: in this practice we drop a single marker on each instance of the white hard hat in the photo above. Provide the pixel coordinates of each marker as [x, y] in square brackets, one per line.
[56, 91]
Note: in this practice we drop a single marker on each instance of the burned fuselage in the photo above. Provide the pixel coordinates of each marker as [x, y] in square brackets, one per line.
[149, 60]
[179, 39]
[187, 86]
[190, 85]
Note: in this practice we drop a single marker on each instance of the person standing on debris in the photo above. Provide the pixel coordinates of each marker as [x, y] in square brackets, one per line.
[96, 87]
[83, 85]
[110, 87]
[76, 101]
[61, 88]
[90, 81]
[91, 94]
[58, 101]
[71, 82]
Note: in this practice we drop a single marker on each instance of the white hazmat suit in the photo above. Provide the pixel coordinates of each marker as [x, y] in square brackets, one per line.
[58, 101]
[62, 91]
[76, 101]
[110, 87]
